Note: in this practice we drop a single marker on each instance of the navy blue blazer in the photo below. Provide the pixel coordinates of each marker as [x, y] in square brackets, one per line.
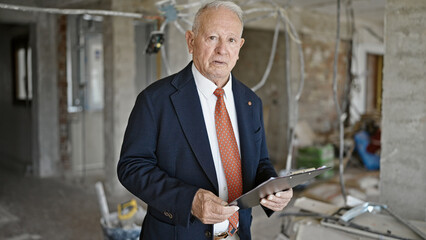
[166, 157]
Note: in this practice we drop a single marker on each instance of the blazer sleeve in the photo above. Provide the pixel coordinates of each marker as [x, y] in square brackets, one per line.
[138, 169]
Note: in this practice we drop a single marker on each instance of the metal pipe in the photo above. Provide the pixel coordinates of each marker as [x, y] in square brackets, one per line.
[70, 11]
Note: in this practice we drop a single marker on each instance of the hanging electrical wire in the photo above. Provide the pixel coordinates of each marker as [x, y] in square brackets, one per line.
[294, 36]
[258, 18]
[340, 116]
[289, 26]
[179, 27]
[189, 23]
[256, 10]
[70, 11]
[350, 21]
[189, 5]
[271, 58]
[294, 103]
[290, 129]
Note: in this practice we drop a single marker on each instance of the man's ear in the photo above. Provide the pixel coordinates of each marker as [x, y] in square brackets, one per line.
[242, 42]
[189, 36]
[241, 45]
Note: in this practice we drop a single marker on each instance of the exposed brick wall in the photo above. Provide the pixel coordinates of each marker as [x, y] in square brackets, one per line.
[316, 105]
[64, 149]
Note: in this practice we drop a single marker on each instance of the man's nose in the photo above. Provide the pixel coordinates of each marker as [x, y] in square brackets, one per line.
[221, 47]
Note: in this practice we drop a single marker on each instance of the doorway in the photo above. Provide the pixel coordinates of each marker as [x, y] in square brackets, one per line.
[374, 83]
[16, 96]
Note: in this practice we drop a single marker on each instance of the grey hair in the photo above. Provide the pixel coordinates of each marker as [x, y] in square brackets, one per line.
[233, 7]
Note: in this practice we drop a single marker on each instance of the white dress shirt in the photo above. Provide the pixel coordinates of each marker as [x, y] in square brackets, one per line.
[205, 89]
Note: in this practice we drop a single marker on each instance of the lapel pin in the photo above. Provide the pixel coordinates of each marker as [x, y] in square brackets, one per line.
[249, 103]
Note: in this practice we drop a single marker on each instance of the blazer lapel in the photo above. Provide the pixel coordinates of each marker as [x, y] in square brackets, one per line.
[244, 117]
[188, 109]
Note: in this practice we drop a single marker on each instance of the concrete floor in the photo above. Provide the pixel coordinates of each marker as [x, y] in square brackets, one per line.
[33, 208]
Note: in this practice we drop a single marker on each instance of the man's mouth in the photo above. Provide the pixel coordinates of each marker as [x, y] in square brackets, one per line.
[219, 62]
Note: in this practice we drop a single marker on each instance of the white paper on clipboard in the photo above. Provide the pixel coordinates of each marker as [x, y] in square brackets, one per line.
[273, 185]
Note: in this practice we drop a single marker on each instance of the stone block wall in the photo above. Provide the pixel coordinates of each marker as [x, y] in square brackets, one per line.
[403, 161]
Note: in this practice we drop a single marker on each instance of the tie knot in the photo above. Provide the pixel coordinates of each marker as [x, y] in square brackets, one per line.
[219, 92]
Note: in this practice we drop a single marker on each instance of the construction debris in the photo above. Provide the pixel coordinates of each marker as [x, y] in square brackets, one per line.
[125, 223]
[321, 212]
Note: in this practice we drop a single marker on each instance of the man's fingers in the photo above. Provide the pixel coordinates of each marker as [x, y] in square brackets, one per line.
[221, 212]
[280, 197]
[215, 213]
[277, 201]
[272, 205]
[209, 208]
[288, 194]
[226, 210]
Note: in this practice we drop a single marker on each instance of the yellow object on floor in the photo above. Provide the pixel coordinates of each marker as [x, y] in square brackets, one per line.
[127, 209]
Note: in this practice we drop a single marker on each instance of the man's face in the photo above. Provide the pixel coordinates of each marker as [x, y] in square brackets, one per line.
[216, 46]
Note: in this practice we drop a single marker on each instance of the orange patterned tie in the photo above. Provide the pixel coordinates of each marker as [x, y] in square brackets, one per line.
[229, 154]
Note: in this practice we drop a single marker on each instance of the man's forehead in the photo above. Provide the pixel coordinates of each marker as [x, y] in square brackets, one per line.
[219, 11]
[210, 15]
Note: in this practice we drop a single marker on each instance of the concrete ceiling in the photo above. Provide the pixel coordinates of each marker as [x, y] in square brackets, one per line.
[372, 10]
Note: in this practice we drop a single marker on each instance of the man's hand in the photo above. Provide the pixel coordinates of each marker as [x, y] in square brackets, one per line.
[277, 201]
[209, 208]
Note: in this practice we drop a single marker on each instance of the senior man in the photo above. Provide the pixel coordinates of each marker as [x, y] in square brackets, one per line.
[195, 140]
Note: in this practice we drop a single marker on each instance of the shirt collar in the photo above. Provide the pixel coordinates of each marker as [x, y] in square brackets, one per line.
[207, 87]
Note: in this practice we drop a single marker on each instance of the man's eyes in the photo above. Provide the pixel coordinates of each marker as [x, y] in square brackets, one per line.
[215, 38]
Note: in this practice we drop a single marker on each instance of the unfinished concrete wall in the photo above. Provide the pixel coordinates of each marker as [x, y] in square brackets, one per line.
[44, 119]
[120, 89]
[177, 50]
[46, 100]
[403, 165]
[250, 68]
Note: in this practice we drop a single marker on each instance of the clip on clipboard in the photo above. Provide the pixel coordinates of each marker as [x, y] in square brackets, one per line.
[276, 184]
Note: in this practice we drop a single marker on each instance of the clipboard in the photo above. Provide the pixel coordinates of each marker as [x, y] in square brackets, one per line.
[276, 184]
